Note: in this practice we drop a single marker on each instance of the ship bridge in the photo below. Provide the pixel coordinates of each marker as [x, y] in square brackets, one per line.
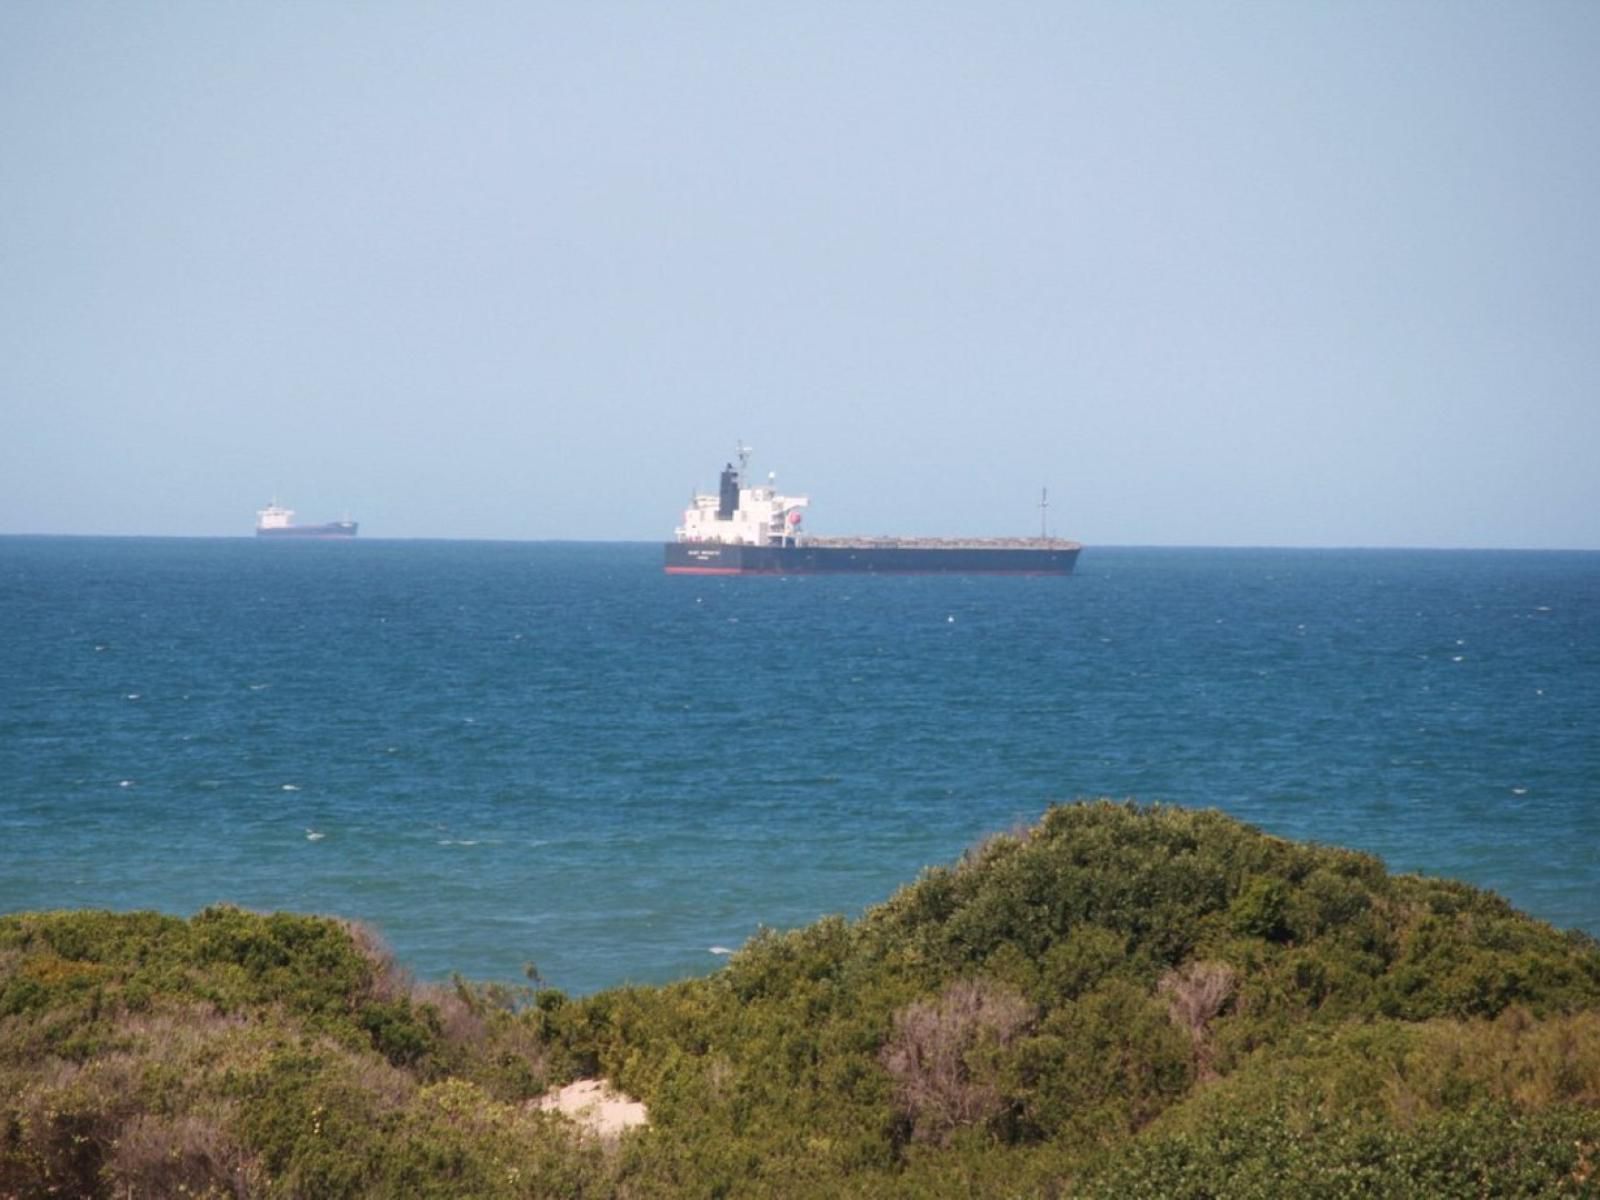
[744, 516]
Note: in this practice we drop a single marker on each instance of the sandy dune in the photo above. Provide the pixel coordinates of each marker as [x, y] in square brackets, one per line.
[596, 1106]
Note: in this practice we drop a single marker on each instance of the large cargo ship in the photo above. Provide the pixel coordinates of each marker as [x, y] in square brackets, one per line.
[752, 530]
[275, 521]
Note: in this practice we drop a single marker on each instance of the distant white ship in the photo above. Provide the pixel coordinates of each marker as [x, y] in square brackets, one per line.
[276, 521]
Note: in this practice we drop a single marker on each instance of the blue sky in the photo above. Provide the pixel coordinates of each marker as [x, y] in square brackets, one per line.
[1267, 274]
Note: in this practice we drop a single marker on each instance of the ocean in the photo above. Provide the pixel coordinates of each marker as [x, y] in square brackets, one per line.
[504, 753]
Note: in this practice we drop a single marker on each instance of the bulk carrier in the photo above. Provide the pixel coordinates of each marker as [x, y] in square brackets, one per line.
[275, 521]
[752, 530]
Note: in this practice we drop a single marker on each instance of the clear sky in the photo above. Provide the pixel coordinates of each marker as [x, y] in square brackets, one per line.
[1285, 273]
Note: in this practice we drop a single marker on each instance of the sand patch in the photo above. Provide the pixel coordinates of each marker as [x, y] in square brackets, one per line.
[596, 1106]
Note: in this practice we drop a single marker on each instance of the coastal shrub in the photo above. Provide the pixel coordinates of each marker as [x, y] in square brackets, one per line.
[1484, 1151]
[1261, 910]
[455, 1141]
[1331, 901]
[316, 1116]
[386, 979]
[1514, 1060]
[942, 1056]
[1196, 994]
[403, 1033]
[59, 1129]
[308, 963]
[1101, 1066]
[1077, 962]
[186, 1154]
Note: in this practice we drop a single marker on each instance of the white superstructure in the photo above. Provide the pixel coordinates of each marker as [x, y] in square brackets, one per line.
[274, 516]
[745, 516]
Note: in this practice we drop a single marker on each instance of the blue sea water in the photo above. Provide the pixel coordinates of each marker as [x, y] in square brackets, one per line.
[499, 753]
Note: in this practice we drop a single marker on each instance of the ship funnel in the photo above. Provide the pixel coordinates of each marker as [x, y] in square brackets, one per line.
[728, 499]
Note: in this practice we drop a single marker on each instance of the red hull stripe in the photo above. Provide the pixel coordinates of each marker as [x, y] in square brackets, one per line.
[876, 571]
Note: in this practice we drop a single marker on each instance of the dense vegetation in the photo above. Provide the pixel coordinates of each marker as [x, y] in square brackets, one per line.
[1120, 1001]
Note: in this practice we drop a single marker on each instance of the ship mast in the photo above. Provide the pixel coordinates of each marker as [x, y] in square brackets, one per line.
[1044, 504]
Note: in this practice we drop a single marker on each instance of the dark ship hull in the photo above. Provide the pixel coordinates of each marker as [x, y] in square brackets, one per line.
[909, 556]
